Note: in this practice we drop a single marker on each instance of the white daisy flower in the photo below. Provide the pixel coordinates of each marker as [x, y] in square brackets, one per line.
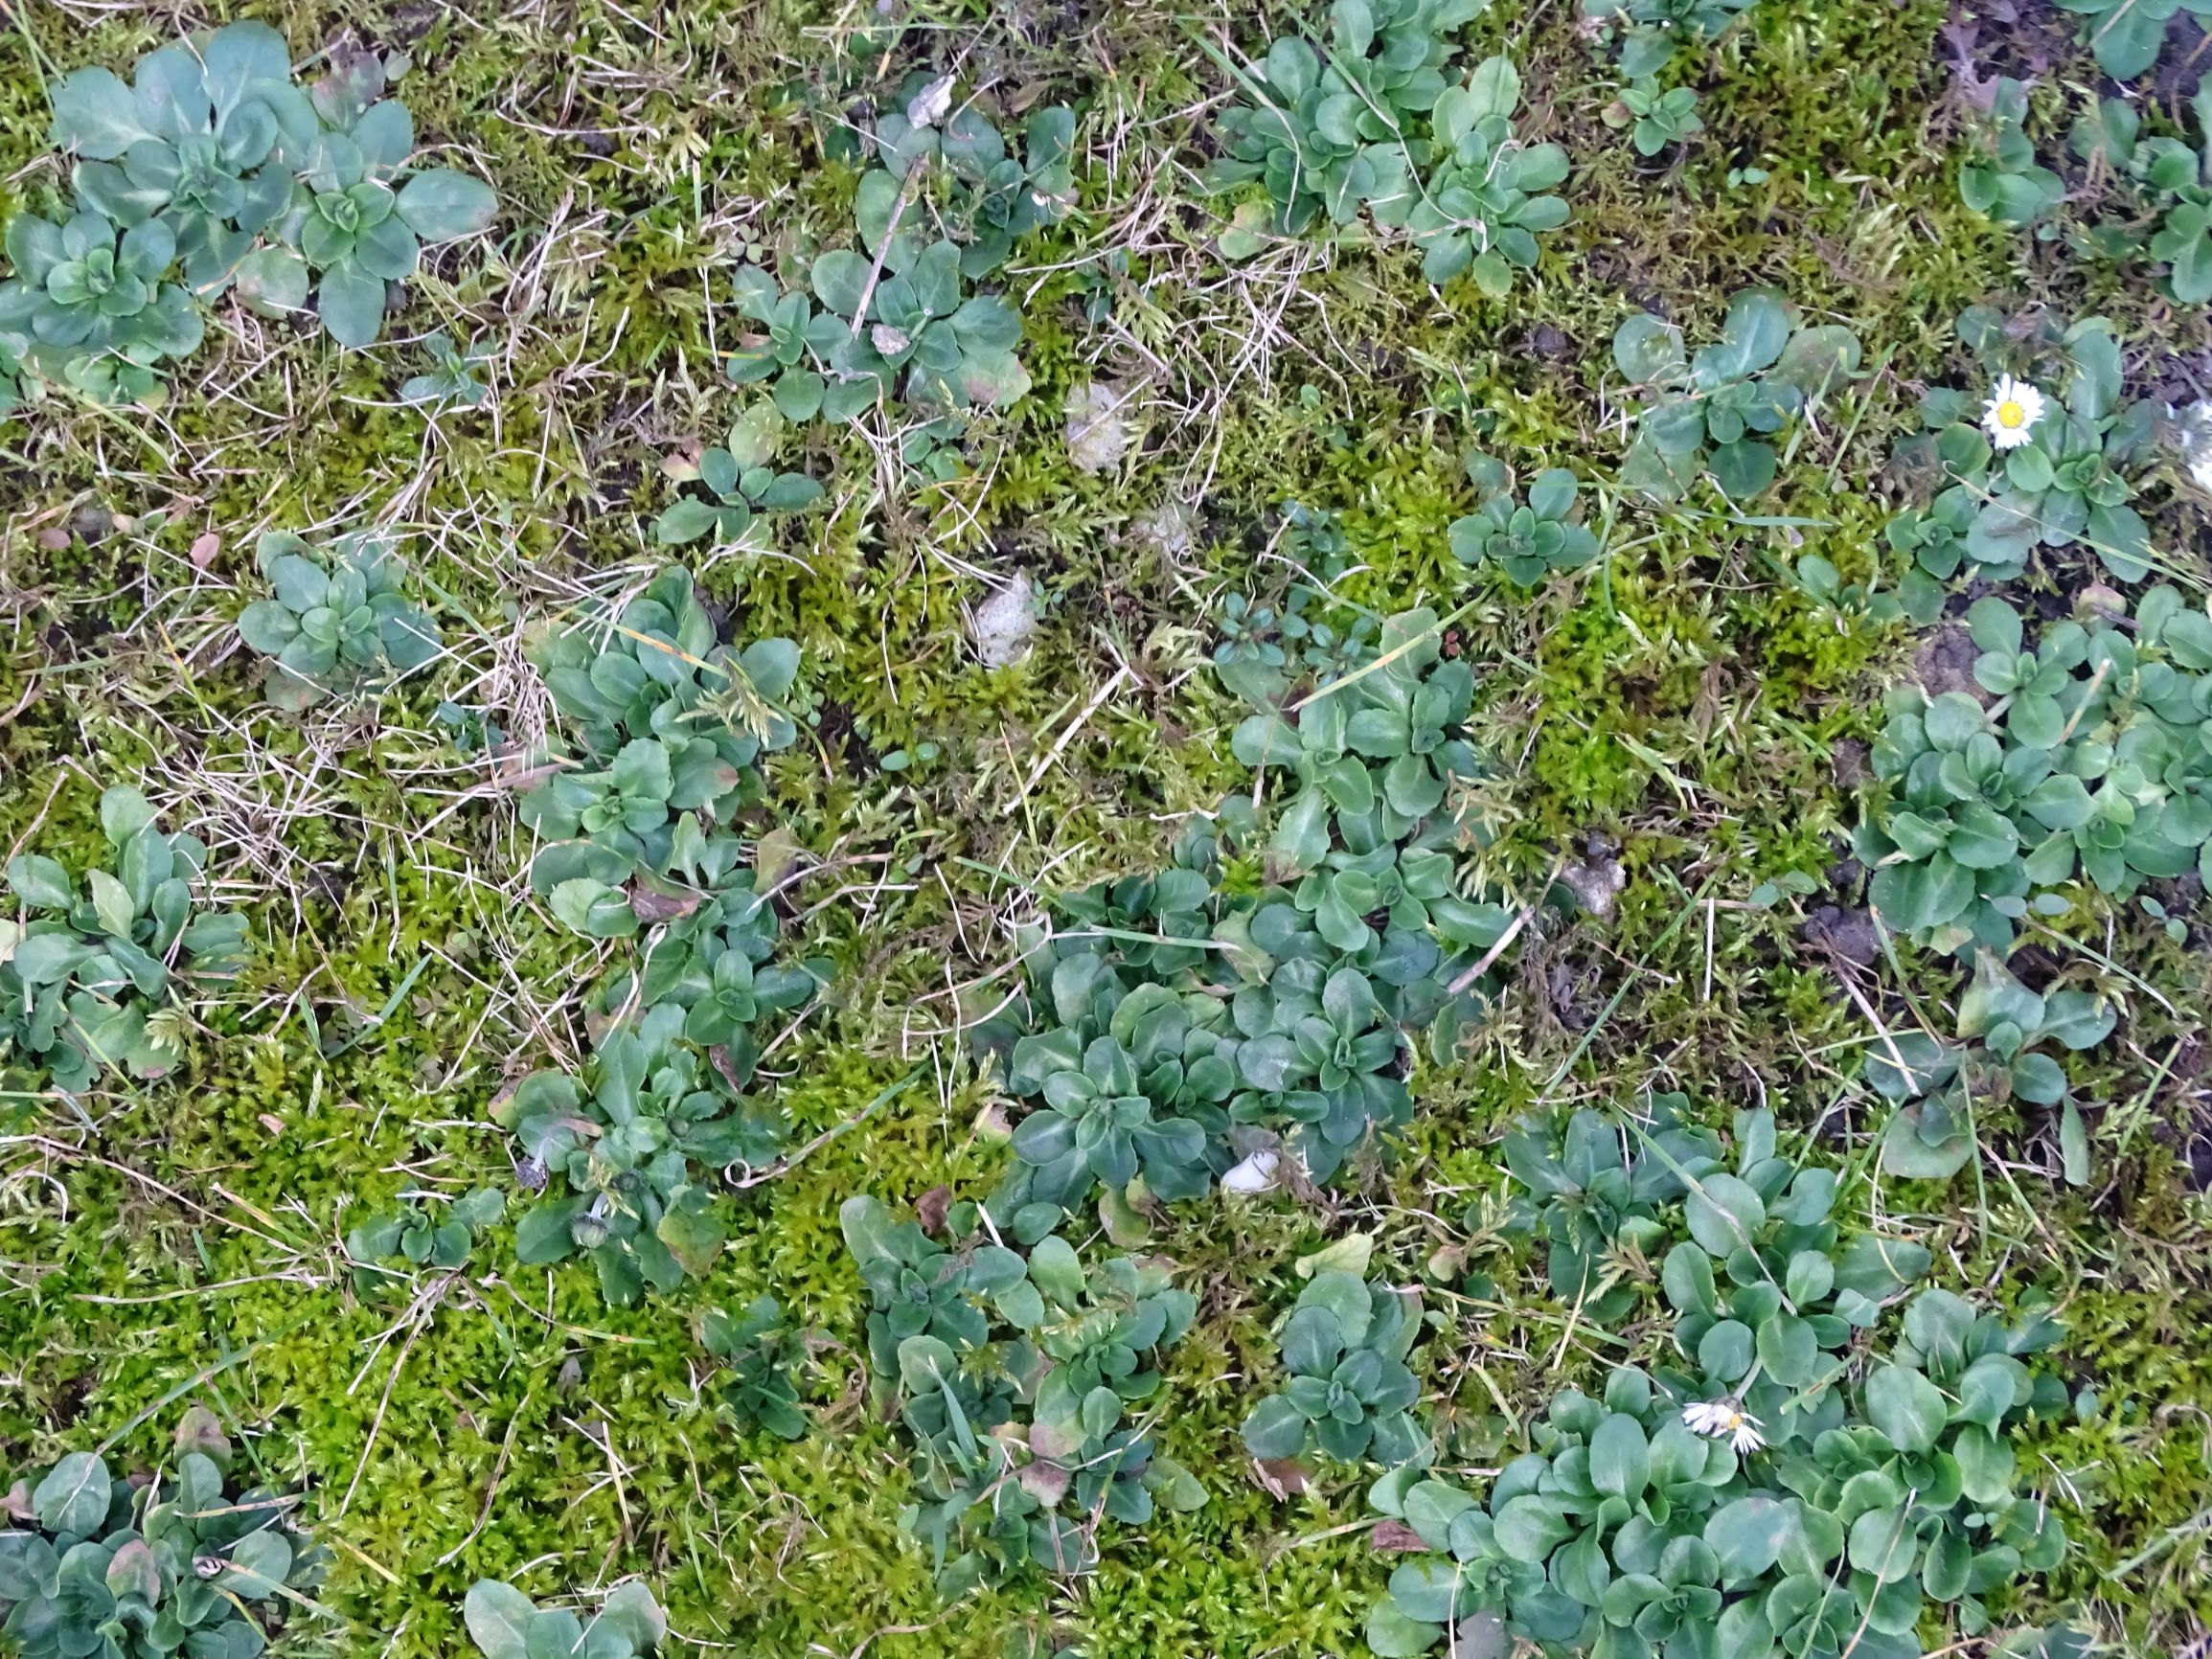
[2012, 409]
[1723, 1419]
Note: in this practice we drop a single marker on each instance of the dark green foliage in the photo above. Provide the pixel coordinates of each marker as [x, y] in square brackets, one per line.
[1653, 30]
[453, 381]
[894, 320]
[1488, 199]
[1713, 413]
[1333, 128]
[1763, 1494]
[90, 305]
[761, 1352]
[211, 161]
[89, 982]
[421, 1234]
[997, 1493]
[1527, 541]
[339, 624]
[740, 484]
[2092, 762]
[1679, 701]
[1349, 1392]
[505, 1624]
[2126, 35]
[2069, 484]
[1657, 116]
[2001, 1028]
[671, 723]
[1285, 1013]
[1593, 1192]
[992, 197]
[102, 1566]
[1262, 650]
[663, 1107]
[2002, 176]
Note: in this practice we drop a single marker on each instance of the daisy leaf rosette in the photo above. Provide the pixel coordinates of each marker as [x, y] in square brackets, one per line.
[2086, 758]
[1765, 1492]
[2039, 450]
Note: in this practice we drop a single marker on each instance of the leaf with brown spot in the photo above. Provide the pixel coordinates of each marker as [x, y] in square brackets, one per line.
[1390, 1538]
[1049, 1442]
[1045, 1482]
[649, 904]
[719, 1056]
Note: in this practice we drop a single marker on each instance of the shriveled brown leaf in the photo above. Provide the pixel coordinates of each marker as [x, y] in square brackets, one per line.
[1282, 1477]
[651, 906]
[931, 1208]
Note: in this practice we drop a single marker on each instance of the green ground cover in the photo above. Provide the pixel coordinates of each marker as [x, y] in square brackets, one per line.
[310, 1209]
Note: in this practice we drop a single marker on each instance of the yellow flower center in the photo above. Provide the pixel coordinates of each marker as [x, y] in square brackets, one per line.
[2011, 415]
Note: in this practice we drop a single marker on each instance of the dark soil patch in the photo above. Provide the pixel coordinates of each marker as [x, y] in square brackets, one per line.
[1987, 39]
[2182, 66]
[1945, 663]
[1849, 933]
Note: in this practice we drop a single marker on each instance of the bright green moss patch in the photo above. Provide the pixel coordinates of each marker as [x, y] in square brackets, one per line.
[1674, 740]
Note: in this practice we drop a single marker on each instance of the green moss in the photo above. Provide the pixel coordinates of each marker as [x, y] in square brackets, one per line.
[1678, 698]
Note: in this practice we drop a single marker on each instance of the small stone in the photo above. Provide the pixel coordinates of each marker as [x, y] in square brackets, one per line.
[1003, 623]
[1170, 529]
[932, 103]
[932, 1209]
[1596, 882]
[1255, 1175]
[1283, 1477]
[1099, 425]
[2193, 431]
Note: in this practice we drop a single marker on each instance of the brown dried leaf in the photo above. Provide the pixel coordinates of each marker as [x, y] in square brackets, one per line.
[1045, 1482]
[1282, 1477]
[651, 906]
[204, 547]
[931, 1208]
[1390, 1538]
